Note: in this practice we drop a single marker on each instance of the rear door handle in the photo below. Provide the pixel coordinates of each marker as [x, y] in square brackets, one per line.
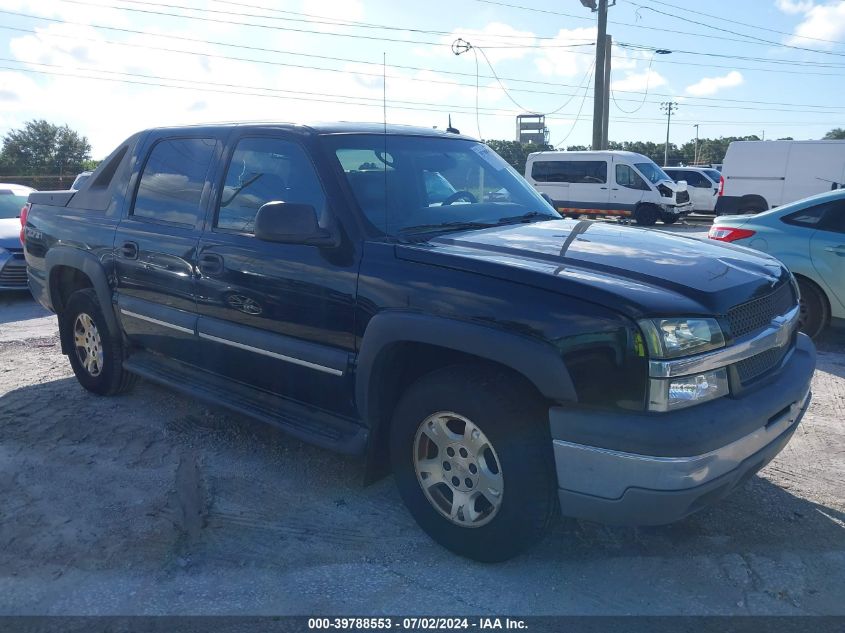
[129, 250]
[211, 264]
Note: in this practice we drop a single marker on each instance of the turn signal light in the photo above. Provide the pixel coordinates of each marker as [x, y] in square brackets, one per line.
[728, 233]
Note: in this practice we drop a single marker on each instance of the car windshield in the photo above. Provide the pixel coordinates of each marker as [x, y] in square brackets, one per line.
[11, 205]
[418, 184]
[652, 172]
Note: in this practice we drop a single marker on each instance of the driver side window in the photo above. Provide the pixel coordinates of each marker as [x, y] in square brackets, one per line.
[627, 177]
[267, 170]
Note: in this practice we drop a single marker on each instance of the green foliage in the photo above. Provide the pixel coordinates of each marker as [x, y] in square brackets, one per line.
[835, 134]
[41, 148]
[515, 152]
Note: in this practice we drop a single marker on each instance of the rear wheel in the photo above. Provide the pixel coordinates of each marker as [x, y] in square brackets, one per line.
[96, 353]
[472, 457]
[646, 215]
[814, 309]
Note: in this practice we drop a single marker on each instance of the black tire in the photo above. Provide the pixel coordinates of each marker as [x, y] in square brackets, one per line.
[668, 218]
[646, 215]
[815, 310]
[514, 420]
[105, 376]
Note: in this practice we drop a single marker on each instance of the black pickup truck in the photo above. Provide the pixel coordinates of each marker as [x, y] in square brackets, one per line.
[404, 295]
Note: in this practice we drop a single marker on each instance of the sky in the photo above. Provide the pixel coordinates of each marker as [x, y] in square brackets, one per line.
[107, 69]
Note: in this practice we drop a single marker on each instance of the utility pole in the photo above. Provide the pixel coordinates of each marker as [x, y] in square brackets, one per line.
[608, 45]
[695, 153]
[598, 94]
[668, 107]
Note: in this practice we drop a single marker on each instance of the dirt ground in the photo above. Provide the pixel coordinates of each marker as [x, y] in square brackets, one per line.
[151, 503]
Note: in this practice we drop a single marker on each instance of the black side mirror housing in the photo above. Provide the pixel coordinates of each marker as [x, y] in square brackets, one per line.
[291, 223]
[548, 199]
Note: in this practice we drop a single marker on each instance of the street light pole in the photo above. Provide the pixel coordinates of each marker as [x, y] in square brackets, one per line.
[668, 107]
[695, 153]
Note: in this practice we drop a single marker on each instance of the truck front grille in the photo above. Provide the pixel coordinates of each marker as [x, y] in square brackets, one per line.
[756, 366]
[758, 313]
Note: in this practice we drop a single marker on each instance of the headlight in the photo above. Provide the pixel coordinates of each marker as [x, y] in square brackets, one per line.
[664, 191]
[677, 393]
[670, 338]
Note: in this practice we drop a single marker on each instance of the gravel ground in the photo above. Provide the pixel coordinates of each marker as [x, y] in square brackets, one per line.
[151, 503]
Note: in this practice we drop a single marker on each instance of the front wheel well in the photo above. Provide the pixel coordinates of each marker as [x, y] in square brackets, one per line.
[396, 369]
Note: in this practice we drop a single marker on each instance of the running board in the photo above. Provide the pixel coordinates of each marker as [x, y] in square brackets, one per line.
[307, 424]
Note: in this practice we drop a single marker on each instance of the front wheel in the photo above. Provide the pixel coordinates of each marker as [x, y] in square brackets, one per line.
[646, 215]
[814, 311]
[96, 353]
[472, 457]
[668, 218]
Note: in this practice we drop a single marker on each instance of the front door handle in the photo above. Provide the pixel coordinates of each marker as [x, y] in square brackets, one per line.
[129, 250]
[837, 250]
[211, 264]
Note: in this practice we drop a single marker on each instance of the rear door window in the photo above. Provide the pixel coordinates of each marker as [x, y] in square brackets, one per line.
[570, 171]
[809, 218]
[173, 180]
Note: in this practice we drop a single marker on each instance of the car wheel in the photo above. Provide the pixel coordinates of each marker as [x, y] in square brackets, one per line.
[814, 309]
[646, 215]
[96, 353]
[668, 218]
[472, 457]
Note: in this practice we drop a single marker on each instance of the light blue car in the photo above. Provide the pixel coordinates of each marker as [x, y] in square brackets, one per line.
[809, 237]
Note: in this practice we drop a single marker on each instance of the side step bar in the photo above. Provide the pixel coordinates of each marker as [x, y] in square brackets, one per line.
[308, 424]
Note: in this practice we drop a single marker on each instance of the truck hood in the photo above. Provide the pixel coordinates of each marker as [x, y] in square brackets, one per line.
[10, 232]
[639, 272]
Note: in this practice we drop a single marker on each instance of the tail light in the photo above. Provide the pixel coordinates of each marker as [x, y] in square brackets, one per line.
[24, 213]
[721, 185]
[728, 233]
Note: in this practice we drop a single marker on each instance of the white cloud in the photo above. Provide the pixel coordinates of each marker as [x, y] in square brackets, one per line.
[712, 85]
[555, 58]
[794, 6]
[637, 82]
[822, 21]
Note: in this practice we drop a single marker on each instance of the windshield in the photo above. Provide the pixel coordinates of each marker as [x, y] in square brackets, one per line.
[652, 172]
[11, 205]
[407, 184]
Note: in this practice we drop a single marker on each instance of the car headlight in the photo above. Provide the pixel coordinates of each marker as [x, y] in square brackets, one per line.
[685, 391]
[671, 338]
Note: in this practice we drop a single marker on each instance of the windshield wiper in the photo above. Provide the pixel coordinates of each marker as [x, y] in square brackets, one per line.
[525, 217]
[447, 226]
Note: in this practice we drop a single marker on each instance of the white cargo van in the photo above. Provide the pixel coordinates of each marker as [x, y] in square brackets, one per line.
[761, 175]
[603, 183]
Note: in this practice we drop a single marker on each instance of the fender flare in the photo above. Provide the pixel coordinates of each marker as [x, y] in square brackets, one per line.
[538, 361]
[89, 265]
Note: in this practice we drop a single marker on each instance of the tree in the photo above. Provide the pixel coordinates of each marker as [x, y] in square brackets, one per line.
[835, 134]
[41, 148]
[515, 152]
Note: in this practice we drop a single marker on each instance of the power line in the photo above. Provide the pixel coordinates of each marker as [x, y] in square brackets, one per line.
[722, 18]
[755, 39]
[633, 25]
[350, 60]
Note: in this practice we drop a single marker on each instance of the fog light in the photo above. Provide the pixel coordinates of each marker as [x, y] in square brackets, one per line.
[677, 393]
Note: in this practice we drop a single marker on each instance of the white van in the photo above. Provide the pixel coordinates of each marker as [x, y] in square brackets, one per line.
[761, 175]
[608, 183]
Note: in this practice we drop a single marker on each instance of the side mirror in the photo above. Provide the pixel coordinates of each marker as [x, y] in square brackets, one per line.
[548, 199]
[290, 223]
